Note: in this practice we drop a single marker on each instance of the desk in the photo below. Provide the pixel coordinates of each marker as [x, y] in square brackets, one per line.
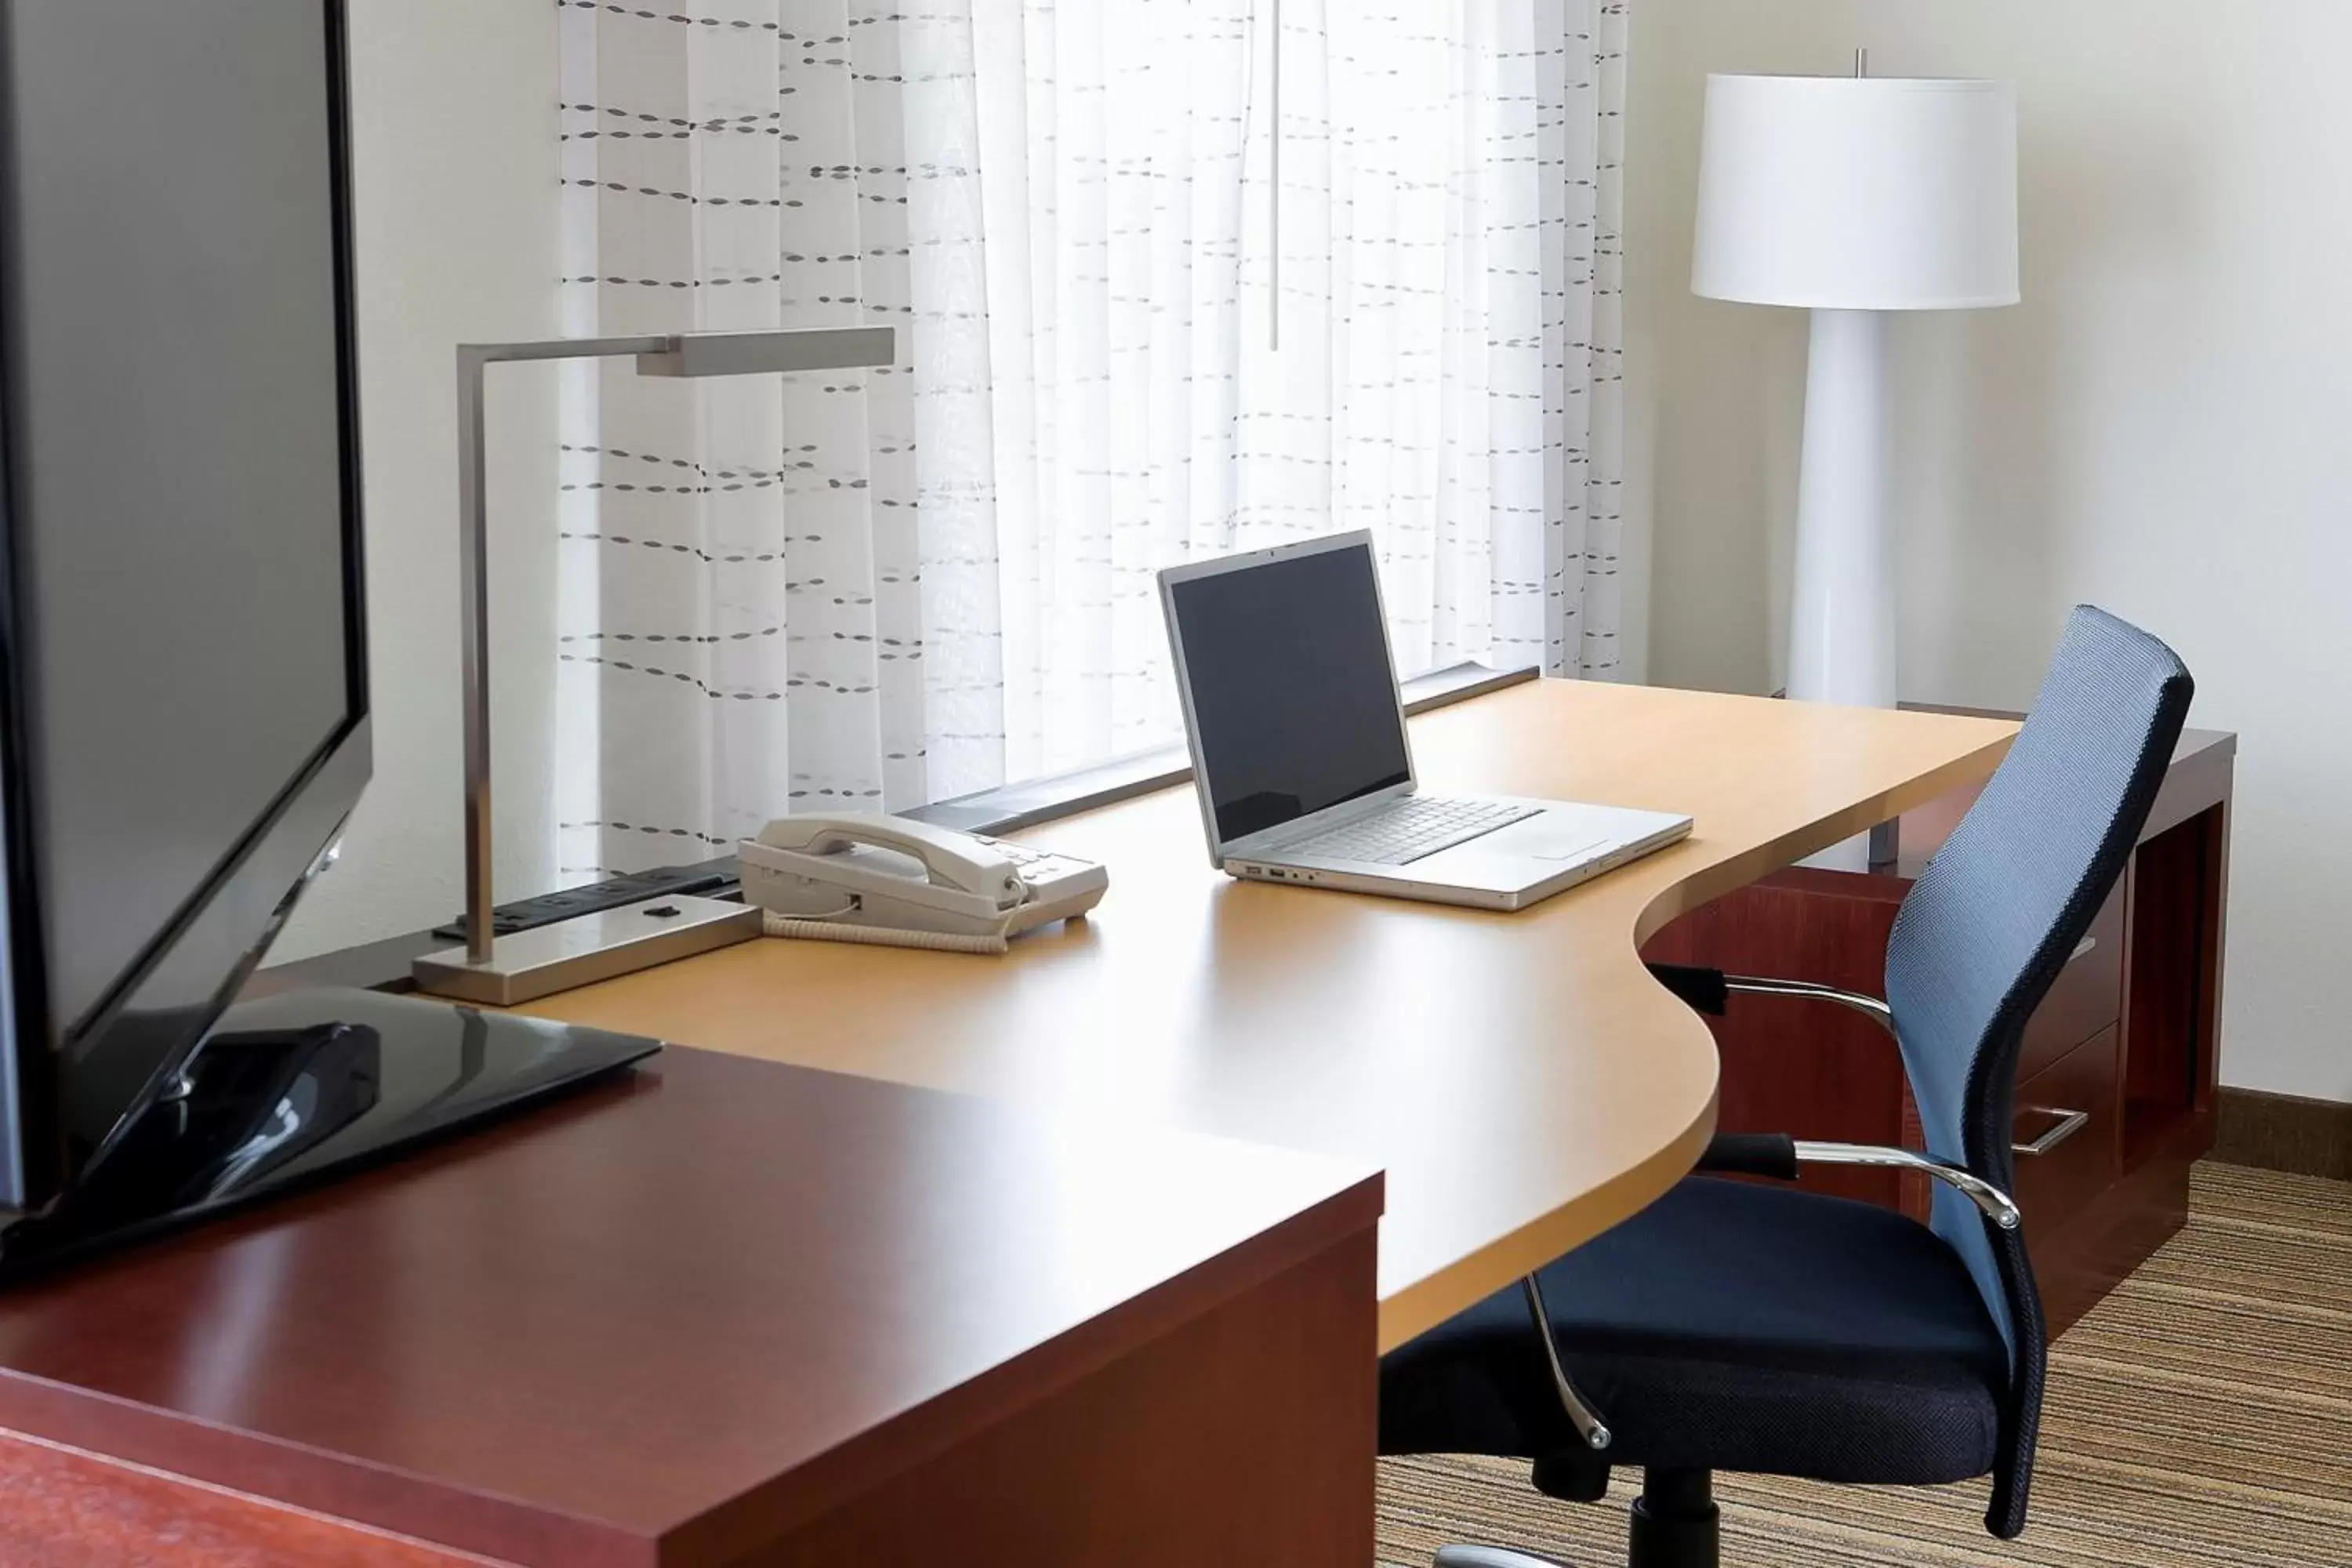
[735, 1314]
[1521, 1078]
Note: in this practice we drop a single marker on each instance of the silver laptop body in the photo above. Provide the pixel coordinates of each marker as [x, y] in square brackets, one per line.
[1301, 760]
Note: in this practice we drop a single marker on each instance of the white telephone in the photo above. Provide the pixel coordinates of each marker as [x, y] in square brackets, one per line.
[890, 874]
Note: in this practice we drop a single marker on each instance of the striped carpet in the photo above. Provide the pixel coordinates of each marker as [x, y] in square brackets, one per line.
[2202, 1415]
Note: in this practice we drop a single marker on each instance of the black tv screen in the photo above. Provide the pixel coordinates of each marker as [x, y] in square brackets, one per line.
[184, 684]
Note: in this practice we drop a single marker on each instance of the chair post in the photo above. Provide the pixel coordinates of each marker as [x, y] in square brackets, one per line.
[1676, 1521]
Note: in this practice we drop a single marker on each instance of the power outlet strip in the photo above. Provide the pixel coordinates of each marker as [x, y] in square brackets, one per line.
[547, 909]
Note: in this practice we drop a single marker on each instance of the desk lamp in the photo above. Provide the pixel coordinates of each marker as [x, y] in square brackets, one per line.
[1851, 197]
[508, 969]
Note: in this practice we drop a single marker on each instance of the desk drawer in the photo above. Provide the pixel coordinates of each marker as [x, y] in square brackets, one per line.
[2086, 997]
[2076, 1167]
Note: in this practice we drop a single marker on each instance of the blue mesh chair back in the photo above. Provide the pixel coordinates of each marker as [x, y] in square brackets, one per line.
[1982, 936]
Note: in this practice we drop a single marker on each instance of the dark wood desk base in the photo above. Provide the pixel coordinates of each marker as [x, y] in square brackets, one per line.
[1244, 1436]
[62, 1508]
[2130, 1033]
[728, 1314]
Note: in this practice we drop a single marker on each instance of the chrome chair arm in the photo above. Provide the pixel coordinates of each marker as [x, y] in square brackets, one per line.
[1870, 1007]
[1997, 1205]
[1580, 1414]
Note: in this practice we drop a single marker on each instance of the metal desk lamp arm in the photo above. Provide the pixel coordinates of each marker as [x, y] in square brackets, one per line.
[688, 355]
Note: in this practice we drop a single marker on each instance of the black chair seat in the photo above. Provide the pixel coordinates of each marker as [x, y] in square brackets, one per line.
[1728, 1327]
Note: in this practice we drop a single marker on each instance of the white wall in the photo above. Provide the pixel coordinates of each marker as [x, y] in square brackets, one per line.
[2164, 426]
[454, 170]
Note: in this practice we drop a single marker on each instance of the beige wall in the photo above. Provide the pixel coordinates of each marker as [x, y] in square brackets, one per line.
[454, 170]
[2164, 426]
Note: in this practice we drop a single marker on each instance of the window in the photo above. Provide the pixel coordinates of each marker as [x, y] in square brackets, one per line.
[914, 585]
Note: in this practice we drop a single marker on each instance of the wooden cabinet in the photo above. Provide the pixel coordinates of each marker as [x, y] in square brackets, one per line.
[2125, 1049]
[713, 1313]
[2087, 996]
[2069, 1115]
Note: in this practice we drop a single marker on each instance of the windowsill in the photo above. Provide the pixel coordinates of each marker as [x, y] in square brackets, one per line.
[1008, 808]
[384, 966]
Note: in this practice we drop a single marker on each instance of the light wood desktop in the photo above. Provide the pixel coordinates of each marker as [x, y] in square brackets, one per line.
[1522, 1078]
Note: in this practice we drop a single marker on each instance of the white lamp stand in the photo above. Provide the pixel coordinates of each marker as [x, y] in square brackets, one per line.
[1842, 623]
[1852, 196]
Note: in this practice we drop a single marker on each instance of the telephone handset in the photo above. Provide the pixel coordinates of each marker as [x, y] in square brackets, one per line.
[865, 869]
[956, 860]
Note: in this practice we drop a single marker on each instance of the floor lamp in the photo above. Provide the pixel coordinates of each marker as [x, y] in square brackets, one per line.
[1852, 196]
[505, 970]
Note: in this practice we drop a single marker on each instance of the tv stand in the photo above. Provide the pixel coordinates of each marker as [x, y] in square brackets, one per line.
[293, 1090]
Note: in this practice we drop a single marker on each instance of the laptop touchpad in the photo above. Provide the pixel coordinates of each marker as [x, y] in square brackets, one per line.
[1547, 841]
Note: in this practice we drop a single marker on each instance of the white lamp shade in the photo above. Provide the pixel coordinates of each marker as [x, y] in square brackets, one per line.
[1855, 193]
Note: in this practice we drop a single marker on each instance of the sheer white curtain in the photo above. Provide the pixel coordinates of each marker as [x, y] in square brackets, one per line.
[879, 589]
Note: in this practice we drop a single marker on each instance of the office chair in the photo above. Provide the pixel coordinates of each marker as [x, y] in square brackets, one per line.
[1736, 1326]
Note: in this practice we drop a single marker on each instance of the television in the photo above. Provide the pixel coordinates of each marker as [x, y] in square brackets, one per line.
[184, 677]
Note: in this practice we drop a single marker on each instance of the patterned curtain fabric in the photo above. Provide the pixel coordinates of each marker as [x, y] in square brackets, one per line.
[872, 589]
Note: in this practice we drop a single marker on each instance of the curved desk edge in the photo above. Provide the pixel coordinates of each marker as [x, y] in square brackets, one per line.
[1431, 1299]
[1709, 882]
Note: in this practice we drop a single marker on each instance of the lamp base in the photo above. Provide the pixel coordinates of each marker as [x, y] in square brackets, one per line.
[584, 950]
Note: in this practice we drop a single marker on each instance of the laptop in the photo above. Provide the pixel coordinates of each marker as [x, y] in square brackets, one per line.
[1301, 761]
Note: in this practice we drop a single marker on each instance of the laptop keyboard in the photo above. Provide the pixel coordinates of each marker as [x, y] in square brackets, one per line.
[1416, 825]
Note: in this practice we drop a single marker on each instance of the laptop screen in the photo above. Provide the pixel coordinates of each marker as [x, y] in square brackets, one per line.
[1293, 699]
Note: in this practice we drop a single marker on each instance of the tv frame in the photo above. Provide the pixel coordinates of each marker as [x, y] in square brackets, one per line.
[191, 968]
